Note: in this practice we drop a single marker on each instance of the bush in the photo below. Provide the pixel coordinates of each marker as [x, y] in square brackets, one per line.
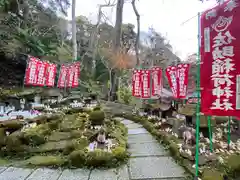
[97, 117]
[120, 153]
[37, 135]
[99, 158]
[14, 141]
[77, 158]
[97, 108]
[125, 95]
[46, 161]
[233, 165]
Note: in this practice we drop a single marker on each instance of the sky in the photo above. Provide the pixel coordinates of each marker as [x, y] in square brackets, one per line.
[175, 19]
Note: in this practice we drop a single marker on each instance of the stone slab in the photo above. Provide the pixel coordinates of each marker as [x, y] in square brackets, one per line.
[146, 149]
[13, 173]
[137, 131]
[140, 138]
[155, 168]
[3, 169]
[126, 122]
[75, 174]
[45, 174]
[133, 126]
[111, 174]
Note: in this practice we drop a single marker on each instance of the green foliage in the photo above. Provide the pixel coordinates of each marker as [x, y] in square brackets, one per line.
[125, 95]
[97, 117]
[211, 174]
[53, 161]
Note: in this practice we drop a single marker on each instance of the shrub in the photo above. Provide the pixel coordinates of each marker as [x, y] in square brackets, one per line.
[34, 138]
[97, 117]
[14, 140]
[120, 153]
[46, 161]
[233, 165]
[125, 95]
[97, 108]
[37, 135]
[77, 158]
[99, 158]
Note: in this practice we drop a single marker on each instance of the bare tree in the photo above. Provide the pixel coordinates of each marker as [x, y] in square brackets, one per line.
[138, 31]
[94, 39]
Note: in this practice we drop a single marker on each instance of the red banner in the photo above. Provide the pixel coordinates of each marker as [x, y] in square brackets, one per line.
[145, 83]
[171, 73]
[70, 75]
[76, 74]
[51, 74]
[156, 73]
[62, 76]
[31, 71]
[220, 54]
[41, 73]
[136, 83]
[182, 80]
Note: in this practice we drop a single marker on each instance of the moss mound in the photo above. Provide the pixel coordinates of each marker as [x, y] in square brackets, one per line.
[97, 117]
[53, 161]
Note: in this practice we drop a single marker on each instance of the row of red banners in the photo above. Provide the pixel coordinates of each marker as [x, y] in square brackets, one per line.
[220, 60]
[41, 73]
[148, 83]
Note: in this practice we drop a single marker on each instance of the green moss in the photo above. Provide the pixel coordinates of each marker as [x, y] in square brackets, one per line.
[233, 165]
[99, 158]
[12, 125]
[46, 161]
[58, 136]
[211, 174]
[14, 141]
[37, 135]
[52, 146]
[97, 117]
[72, 122]
[120, 153]
[77, 158]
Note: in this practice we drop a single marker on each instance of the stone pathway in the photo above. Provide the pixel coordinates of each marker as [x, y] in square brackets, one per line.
[149, 161]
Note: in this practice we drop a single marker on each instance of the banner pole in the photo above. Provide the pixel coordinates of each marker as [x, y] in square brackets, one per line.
[198, 102]
[210, 132]
[229, 132]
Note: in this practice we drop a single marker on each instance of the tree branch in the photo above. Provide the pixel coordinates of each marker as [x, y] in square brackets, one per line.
[138, 31]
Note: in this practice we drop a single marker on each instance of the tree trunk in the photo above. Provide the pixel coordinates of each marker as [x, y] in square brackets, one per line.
[74, 38]
[138, 32]
[116, 46]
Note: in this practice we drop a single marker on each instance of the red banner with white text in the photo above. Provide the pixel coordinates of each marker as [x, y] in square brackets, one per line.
[31, 71]
[62, 78]
[157, 85]
[70, 75]
[41, 73]
[171, 73]
[136, 83]
[76, 74]
[220, 60]
[145, 84]
[182, 80]
[51, 74]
